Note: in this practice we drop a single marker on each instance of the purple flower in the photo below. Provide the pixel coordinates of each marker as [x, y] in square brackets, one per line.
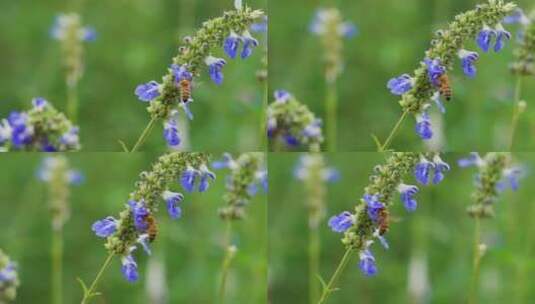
[291, 140]
[373, 206]
[105, 227]
[512, 176]
[39, 103]
[8, 273]
[467, 61]
[215, 66]
[381, 239]
[21, 132]
[434, 70]
[172, 200]
[423, 126]
[181, 72]
[139, 213]
[75, 177]
[501, 35]
[367, 263]
[313, 129]
[331, 175]
[249, 43]
[484, 38]
[129, 268]
[341, 222]
[422, 171]
[517, 16]
[71, 137]
[89, 34]
[148, 91]
[271, 127]
[206, 176]
[400, 85]
[226, 162]
[440, 167]
[170, 131]
[282, 96]
[188, 178]
[260, 27]
[231, 44]
[185, 107]
[407, 193]
[347, 29]
[473, 160]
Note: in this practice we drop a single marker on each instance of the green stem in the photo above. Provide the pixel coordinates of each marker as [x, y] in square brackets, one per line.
[144, 135]
[225, 266]
[393, 132]
[57, 266]
[476, 263]
[263, 117]
[72, 102]
[341, 266]
[313, 264]
[90, 292]
[331, 105]
[516, 112]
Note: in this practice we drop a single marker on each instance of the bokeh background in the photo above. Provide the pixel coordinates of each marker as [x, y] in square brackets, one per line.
[135, 44]
[430, 255]
[188, 251]
[393, 36]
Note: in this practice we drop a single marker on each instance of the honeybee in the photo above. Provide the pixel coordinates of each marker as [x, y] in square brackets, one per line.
[383, 221]
[152, 227]
[185, 90]
[444, 87]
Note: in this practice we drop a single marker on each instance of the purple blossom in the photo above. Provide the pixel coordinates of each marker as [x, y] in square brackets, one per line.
[400, 85]
[129, 268]
[440, 167]
[215, 67]
[172, 200]
[434, 70]
[206, 175]
[422, 171]
[170, 130]
[105, 227]
[367, 263]
[373, 206]
[231, 45]
[467, 61]
[148, 91]
[226, 162]
[282, 96]
[484, 38]
[501, 36]
[249, 43]
[472, 160]
[188, 178]
[180, 72]
[341, 222]
[423, 126]
[407, 193]
[139, 213]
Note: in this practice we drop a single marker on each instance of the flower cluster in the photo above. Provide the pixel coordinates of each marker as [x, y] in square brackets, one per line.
[524, 63]
[247, 172]
[430, 79]
[69, 31]
[328, 24]
[314, 173]
[55, 171]
[42, 128]
[229, 32]
[293, 123]
[9, 279]
[495, 174]
[137, 224]
[371, 218]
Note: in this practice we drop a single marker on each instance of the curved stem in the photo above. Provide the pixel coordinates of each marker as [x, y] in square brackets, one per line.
[313, 264]
[331, 104]
[341, 266]
[57, 266]
[90, 292]
[476, 263]
[72, 102]
[225, 266]
[144, 135]
[516, 112]
[393, 132]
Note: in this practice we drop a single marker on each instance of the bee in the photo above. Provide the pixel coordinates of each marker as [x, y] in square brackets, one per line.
[152, 227]
[444, 87]
[383, 221]
[185, 90]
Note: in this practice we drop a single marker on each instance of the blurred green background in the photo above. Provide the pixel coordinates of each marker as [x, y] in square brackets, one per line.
[393, 36]
[189, 248]
[135, 44]
[430, 248]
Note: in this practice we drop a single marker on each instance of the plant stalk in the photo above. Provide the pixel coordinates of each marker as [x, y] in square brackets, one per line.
[144, 135]
[341, 266]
